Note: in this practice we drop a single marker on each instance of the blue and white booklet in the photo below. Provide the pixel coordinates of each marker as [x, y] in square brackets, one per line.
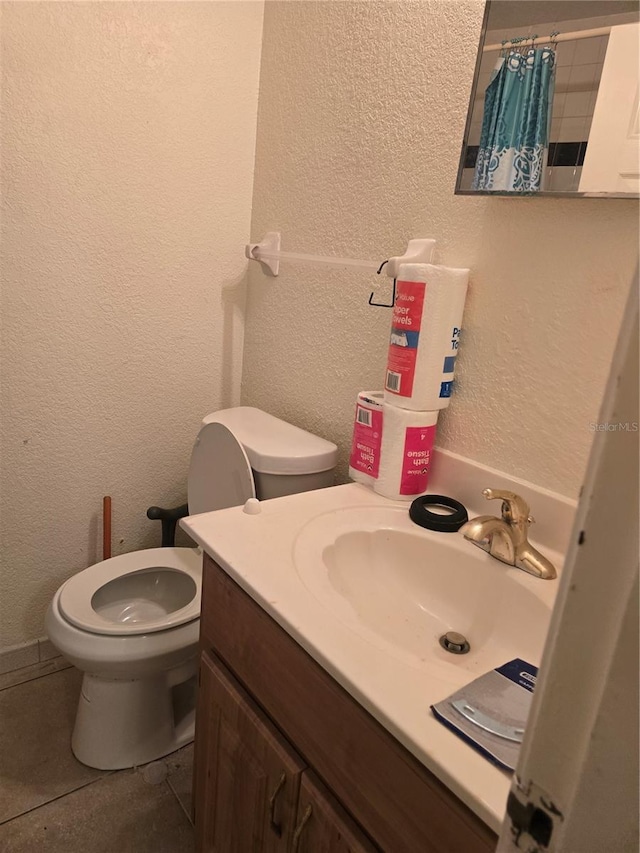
[491, 712]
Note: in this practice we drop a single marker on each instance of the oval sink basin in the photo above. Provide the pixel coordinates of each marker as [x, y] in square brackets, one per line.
[401, 588]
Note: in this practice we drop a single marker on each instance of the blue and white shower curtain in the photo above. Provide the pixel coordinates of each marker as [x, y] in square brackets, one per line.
[515, 125]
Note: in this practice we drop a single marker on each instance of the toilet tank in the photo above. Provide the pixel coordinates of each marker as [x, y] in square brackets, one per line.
[284, 459]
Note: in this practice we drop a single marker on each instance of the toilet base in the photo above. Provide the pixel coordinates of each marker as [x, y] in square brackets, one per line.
[125, 723]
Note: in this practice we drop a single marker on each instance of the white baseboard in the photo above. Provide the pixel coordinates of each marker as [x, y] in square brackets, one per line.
[26, 654]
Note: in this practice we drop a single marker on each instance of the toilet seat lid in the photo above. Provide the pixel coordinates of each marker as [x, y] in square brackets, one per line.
[79, 601]
[220, 475]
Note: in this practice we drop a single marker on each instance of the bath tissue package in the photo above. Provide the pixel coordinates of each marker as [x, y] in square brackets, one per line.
[425, 334]
[405, 454]
[364, 462]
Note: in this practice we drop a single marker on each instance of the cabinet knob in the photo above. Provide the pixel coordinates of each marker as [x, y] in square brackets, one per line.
[296, 835]
[275, 826]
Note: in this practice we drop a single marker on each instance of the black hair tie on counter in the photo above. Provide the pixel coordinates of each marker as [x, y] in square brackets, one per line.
[444, 523]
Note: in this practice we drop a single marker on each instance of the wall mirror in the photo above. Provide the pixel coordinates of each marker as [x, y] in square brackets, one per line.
[554, 107]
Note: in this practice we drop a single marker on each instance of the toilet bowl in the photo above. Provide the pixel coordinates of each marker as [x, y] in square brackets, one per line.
[131, 623]
[136, 702]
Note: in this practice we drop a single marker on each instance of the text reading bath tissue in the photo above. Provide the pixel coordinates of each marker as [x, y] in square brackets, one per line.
[407, 447]
[364, 462]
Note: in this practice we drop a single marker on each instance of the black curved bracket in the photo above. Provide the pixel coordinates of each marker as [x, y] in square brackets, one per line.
[168, 518]
[393, 297]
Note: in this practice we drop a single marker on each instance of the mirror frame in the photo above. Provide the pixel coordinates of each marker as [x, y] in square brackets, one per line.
[467, 128]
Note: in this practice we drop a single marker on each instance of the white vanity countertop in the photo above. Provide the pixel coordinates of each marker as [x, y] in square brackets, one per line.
[257, 552]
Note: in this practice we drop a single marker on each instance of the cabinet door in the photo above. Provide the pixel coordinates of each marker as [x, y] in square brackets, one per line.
[323, 826]
[398, 802]
[247, 775]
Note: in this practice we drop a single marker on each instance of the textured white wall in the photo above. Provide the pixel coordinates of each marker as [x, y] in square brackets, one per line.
[360, 122]
[128, 134]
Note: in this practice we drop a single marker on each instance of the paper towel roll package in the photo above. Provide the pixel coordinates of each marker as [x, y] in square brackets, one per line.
[425, 334]
[405, 455]
[364, 461]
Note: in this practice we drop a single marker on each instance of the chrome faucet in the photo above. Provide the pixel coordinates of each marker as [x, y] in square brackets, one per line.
[506, 538]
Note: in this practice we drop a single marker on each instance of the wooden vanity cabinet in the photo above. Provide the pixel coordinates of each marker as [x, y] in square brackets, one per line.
[322, 825]
[253, 791]
[249, 783]
[287, 760]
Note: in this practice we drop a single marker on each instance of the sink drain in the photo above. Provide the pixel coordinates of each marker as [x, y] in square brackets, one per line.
[455, 643]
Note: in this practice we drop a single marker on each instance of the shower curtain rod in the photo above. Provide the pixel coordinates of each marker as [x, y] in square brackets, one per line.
[580, 34]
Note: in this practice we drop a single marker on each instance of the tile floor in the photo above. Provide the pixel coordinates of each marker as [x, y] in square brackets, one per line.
[51, 803]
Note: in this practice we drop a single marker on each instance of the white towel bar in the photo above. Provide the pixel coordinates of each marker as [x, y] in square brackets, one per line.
[267, 251]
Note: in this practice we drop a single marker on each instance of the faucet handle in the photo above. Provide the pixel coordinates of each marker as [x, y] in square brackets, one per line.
[515, 510]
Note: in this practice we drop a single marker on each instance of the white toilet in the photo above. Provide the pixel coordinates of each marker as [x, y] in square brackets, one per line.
[131, 623]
